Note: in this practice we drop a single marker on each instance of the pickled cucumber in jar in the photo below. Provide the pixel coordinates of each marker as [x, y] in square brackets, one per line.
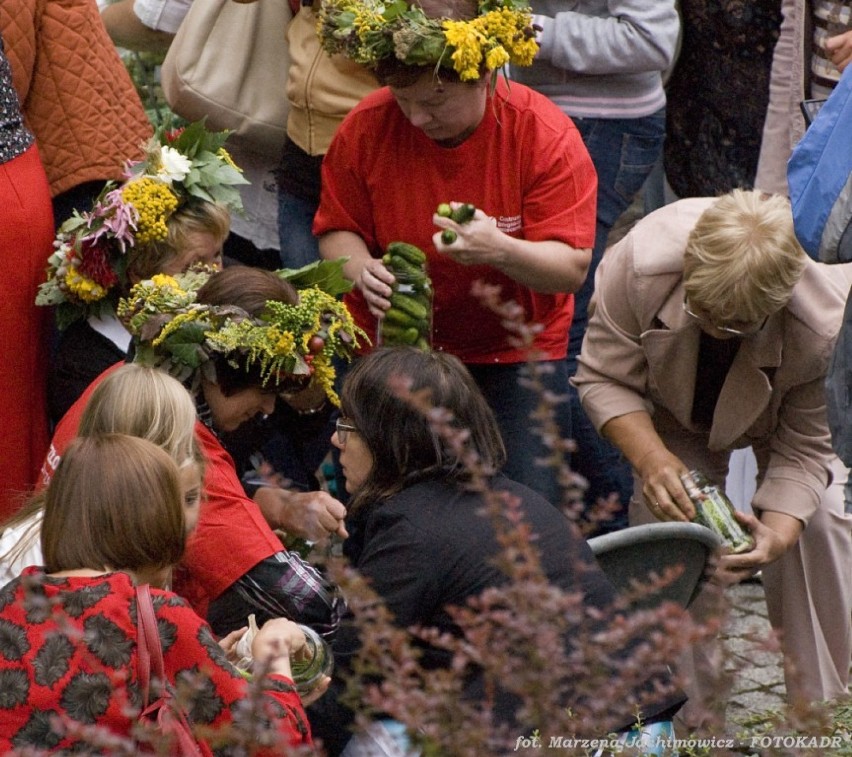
[715, 511]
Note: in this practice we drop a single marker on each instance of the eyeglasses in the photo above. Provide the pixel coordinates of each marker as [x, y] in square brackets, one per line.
[752, 329]
[343, 430]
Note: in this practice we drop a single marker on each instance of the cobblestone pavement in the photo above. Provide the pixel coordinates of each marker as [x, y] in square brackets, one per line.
[758, 683]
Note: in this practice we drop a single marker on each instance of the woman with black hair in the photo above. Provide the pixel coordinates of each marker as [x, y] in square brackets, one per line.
[422, 456]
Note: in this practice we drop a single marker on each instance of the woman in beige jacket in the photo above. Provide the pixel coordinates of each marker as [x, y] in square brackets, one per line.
[712, 331]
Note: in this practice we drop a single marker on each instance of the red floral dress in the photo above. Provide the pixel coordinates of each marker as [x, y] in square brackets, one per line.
[68, 672]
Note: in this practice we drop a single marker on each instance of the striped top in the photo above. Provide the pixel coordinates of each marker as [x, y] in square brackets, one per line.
[831, 17]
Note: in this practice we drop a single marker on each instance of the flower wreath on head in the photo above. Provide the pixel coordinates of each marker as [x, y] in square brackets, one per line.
[87, 272]
[367, 31]
[290, 344]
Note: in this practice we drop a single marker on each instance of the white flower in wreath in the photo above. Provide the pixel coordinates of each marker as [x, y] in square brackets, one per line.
[174, 166]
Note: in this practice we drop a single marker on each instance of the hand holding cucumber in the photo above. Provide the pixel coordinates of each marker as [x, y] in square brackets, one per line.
[461, 213]
[376, 284]
[467, 233]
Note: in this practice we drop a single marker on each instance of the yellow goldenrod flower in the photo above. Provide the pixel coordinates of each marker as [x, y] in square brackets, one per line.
[286, 342]
[176, 324]
[226, 156]
[324, 375]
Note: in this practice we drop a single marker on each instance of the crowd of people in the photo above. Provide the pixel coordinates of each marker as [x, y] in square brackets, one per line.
[172, 394]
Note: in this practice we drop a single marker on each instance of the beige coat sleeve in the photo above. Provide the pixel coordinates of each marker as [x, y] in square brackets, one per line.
[612, 370]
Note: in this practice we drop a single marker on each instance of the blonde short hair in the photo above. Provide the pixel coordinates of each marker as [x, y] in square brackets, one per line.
[742, 259]
[146, 260]
[146, 402]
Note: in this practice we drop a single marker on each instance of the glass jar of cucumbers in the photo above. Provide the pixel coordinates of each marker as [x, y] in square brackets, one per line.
[714, 510]
[409, 319]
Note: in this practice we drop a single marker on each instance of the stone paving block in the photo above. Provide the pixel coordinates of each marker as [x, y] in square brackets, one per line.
[758, 684]
[760, 678]
[742, 708]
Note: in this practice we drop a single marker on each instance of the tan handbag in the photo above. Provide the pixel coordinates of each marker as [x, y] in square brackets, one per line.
[228, 62]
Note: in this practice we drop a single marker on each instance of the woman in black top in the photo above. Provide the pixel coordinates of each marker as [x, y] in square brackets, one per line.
[425, 530]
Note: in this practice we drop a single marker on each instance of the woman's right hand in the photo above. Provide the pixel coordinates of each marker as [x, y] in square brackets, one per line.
[839, 50]
[662, 488]
[229, 643]
[375, 282]
[275, 642]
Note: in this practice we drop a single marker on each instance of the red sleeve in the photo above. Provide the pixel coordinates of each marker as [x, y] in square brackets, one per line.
[66, 429]
[191, 655]
[232, 535]
[560, 192]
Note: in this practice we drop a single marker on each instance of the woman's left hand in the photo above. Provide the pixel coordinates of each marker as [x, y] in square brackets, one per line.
[773, 536]
[477, 241]
[229, 643]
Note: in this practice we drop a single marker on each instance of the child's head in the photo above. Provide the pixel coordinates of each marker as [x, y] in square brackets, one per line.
[148, 403]
[196, 232]
[114, 503]
[141, 401]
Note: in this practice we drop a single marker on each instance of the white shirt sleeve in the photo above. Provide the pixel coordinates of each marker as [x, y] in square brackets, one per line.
[20, 547]
[161, 15]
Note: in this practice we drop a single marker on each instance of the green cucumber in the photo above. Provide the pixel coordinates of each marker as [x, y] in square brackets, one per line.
[412, 254]
[406, 267]
[423, 297]
[410, 305]
[399, 317]
[391, 334]
[448, 236]
[463, 213]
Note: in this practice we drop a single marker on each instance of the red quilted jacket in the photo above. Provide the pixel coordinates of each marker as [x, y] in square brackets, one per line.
[77, 97]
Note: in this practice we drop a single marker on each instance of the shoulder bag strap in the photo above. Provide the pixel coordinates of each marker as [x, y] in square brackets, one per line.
[149, 648]
[170, 719]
